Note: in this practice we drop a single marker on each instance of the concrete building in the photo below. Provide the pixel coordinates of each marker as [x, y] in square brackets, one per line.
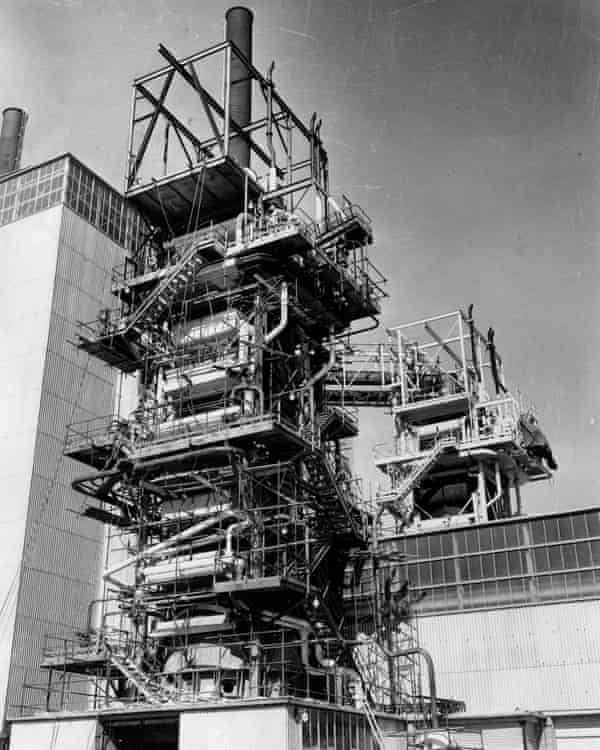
[62, 229]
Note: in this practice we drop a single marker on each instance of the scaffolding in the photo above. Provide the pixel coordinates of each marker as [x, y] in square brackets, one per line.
[239, 539]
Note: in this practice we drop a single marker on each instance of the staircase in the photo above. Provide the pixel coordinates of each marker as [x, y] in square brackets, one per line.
[168, 289]
[394, 499]
[119, 346]
[147, 686]
[335, 515]
[337, 422]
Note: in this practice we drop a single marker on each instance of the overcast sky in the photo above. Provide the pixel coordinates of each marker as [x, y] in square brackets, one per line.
[467, 129]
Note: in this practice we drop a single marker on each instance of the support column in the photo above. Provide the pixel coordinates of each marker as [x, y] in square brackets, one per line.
[481, 512]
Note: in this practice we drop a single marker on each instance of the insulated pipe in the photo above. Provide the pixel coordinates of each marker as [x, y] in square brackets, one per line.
[326, 367]
[192, 531]
[235, 528]
[205, 541]
[238, 29]
[305, 629]
[195, 456]
[151, 551]
[283, 319]
[430, 673]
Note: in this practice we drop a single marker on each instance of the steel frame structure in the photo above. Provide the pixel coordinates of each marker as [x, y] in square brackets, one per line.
[291, 153]
[225, 482]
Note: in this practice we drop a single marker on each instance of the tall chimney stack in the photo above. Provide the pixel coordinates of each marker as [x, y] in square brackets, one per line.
[12, 132]
[238, 29]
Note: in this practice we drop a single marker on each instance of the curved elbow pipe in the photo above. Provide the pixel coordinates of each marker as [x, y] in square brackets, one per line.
[430, 674]
[326, 367]
[305, 629]
[235, 528]
[284, 316]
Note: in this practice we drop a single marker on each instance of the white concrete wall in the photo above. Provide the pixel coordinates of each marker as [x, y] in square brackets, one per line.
[74, 734]
[542, 658]
[252, 728]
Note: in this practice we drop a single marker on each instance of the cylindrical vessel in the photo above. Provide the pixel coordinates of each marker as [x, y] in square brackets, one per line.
[238, 29]
[14, 120]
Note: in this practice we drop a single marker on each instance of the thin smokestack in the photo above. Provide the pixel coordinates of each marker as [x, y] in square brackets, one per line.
[238, 29]
[12, 132]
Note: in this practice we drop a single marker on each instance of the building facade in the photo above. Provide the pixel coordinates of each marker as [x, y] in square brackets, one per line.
[62, 229]
[511, 617]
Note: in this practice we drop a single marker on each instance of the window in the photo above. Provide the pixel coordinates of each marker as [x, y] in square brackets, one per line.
[584, 554]
[521, 561]
[540, 556]
[569, 555]
[538, 533]
[102, 206]
[516, 562]
[485, 539]
[488, 566]
[565, 527]
[552, 529]
[579, 526]
[555, 557]
[593, 523]
[32, 191]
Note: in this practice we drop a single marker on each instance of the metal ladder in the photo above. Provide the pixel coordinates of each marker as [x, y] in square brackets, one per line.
[362, 702]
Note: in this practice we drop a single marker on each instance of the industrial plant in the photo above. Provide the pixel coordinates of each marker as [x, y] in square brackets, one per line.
[209, 568]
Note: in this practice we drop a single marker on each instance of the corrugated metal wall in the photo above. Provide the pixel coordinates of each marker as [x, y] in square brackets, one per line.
[544, 657]
[63, 551]
[577, 732]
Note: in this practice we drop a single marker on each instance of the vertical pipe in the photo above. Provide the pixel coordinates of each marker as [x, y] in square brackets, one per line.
[269, 128]
[290, 146]
[498, 479]
[474, 357]
[227, 103]
[401, 368]
[238, 30]
[130, 176]
[481, 512]
[463, 355]
[12, 133]
[518, 496]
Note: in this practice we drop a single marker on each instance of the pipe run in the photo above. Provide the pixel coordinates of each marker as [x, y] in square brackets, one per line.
[151, 551]
[305, 630]
[283, 321]
[417, 650]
